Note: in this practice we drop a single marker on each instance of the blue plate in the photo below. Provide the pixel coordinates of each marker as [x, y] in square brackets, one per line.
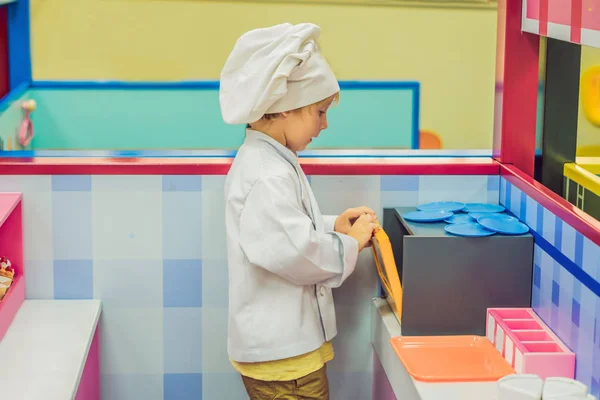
[452, 206]
[498, 216]
[477, 215]
[506, 227]
[483, 208]
[459, 219]
[427, 216]
[472, 229]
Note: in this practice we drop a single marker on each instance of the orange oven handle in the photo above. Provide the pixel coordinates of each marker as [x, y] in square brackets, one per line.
[391, 283]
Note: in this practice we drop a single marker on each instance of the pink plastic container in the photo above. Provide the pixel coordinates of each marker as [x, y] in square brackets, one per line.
[11, 247]
[527, 343]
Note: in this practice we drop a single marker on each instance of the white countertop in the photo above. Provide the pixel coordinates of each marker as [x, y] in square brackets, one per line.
[44, 351]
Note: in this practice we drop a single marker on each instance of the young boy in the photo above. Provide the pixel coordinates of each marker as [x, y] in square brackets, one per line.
[284, 256]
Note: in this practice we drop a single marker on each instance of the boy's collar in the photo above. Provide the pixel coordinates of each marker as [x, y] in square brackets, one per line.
[252, 134]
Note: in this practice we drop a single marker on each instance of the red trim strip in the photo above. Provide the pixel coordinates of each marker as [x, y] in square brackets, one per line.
[220, 166]
[576, 11]
[544, 17]
[578, 219]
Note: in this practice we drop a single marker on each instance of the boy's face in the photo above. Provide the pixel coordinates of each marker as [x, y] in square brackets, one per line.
[302, 126]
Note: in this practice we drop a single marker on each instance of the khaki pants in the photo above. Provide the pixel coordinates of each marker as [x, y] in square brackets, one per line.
[311, 387]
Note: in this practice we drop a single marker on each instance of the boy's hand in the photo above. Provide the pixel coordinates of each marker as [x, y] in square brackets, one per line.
[363, 230]
[345, 220]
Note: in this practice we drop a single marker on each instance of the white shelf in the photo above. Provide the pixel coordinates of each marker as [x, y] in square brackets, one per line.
[44, 351]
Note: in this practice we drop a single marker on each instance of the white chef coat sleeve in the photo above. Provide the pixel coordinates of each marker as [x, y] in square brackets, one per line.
[277, 235]
[329, 222]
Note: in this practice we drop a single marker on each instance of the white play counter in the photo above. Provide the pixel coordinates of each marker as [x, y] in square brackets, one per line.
[50, 351]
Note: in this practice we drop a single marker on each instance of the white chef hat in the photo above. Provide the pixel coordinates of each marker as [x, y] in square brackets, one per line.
[274, 69]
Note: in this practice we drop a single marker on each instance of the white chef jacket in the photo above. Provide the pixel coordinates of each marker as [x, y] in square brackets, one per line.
[283, 255]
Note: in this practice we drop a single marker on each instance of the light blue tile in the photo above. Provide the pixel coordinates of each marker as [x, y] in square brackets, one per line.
[182, 183]
[183, 340]
[353, 353]
[350, 385]
[128, 283]
[223, 386]
[182, 225]
[503, 191]
[214, 238]
[40, 280]
[399, 183]
[537, 254]
[399, 199]
[214, 341]
[493, 183]
[183, 386]
[127, 183]
[71, 183]
[568, 241]
[131, 340]
[215, 283]
[73, 279]
[127, 226]
[566, 285]
[549, 226]
[182, 283]
[591, 258]
[132, 387]
[558, 226]
[565, 309]
[72, 226]
[213, 183]
[531, 212]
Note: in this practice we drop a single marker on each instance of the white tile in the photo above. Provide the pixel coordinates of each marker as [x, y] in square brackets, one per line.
[26, 183]
[559, 31]
[399, 199]
[213, 183]
[215, 283]
[129, 283]
[226, 386]
[568, 241]
[37, 226]
[131, 340]
[127, 226]
[214, 341]
[39, 279]
[126, 183]
[334, 203]
[590, 37]
[515, 202]
[549, 227]
[214, 238]
[345, 183]
[468, 189]
[361, 286]
[591, 258]
[531, 219]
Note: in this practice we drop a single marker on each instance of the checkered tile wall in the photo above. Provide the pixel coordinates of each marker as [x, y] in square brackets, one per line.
[566, 265]
[152, 248]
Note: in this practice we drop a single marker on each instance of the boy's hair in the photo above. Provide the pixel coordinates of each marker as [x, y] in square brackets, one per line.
[335, 100]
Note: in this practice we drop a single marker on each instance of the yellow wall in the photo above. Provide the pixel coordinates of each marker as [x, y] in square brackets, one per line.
[587, 133]
[450, 51]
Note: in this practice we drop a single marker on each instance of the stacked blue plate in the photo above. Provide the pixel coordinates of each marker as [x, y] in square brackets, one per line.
[459, 219]
[472, 229]
[427, 216]
[483, 208]
[451, 206]
[504, 224]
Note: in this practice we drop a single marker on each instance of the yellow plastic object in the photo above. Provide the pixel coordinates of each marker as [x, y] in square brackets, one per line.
[388, 273]
[590, 94]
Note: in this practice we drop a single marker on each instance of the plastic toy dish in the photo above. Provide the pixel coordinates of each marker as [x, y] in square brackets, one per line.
[459, 219]
[452, 206]
[477, 215]
[427, 216]
[503, 226]
[472, 229]
[498, 216]
[483, 208]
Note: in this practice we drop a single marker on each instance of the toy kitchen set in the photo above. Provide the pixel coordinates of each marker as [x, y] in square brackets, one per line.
[455, 306]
